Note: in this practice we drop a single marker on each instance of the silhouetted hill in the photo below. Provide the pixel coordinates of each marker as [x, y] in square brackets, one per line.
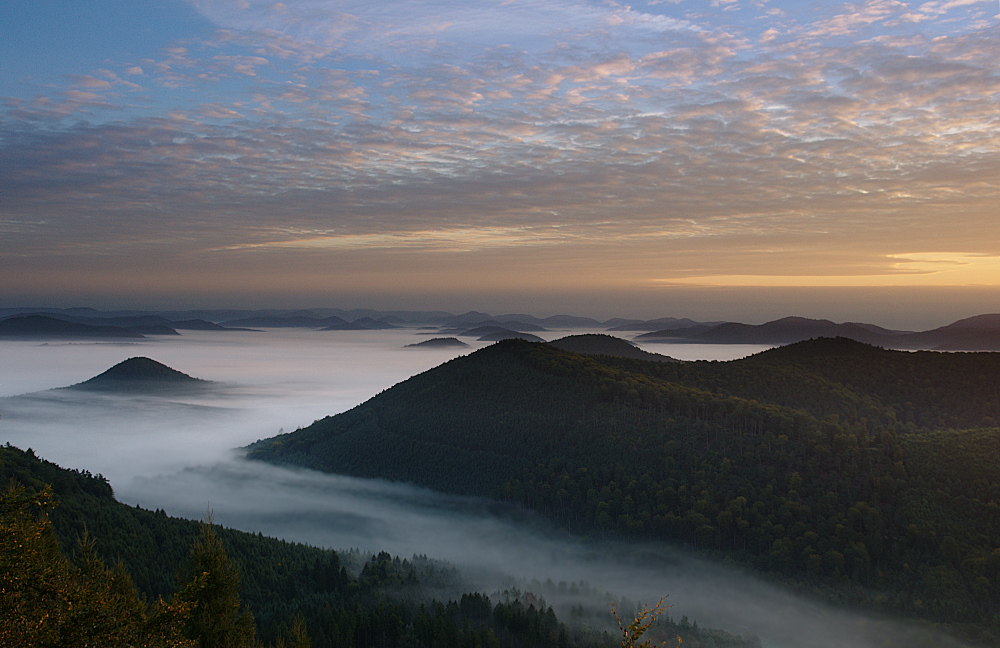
[43, 326]
[140, 375]
[981, 322]
[142, 324]
[923, 389]
[614, 322]
[597, 344]
[980, 333]
[439, 343]
[834, 465]
[497, 333]
[199, 325]
[491, 326]
[544, 323]
[128, 321]
[154, 329]
[782, 331]
[662, 324]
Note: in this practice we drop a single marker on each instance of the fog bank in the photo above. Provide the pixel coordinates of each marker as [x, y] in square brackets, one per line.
[177, 454]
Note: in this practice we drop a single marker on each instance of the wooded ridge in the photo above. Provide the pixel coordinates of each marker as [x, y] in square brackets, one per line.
[864, 476]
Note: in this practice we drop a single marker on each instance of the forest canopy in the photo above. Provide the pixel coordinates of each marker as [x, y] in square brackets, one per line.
[866, 476]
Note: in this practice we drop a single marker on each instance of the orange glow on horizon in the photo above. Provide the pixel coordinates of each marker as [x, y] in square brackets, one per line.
[917, 269]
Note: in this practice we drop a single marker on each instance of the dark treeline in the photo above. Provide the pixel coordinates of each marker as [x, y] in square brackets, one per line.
[865, 476]
[293, 594]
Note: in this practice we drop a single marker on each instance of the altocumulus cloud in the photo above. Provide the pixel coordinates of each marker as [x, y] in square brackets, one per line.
[719, 129]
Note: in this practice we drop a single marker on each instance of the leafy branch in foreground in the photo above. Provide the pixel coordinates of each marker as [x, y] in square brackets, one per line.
[644, 619]
[48, 600]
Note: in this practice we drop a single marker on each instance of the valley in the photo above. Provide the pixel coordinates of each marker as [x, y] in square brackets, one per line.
[174, 453]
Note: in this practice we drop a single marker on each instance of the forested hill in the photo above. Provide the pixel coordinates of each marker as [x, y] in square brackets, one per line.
[298, 595]
[140, 375]
[829, 464]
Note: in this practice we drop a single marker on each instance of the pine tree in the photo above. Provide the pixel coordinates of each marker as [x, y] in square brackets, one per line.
[211, 585]
[45, 600]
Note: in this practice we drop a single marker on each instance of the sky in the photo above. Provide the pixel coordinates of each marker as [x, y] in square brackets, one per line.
[719, 159]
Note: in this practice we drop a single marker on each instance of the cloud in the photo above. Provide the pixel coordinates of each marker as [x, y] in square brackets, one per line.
[217, 112]
[83, 81]
[448, 240]
[863, 15]
[948, 5]
[664, 139]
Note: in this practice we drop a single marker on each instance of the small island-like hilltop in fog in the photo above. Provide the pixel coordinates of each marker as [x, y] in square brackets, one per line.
[140, 374]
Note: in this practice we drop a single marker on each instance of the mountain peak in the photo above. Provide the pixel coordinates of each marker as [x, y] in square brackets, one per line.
[139, 374]
[609, 345]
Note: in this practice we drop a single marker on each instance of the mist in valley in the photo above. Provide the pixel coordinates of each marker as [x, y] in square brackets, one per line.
[177, 454]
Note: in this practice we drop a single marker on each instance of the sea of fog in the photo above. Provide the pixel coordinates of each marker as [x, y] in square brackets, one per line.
[178, 454]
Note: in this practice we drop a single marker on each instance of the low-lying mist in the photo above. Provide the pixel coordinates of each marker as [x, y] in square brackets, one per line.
[177, 454]
[498, 546]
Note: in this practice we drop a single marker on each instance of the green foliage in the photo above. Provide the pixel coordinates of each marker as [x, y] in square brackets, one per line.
[298, 595]
[211, 585]
[49, 601]
[821, 464]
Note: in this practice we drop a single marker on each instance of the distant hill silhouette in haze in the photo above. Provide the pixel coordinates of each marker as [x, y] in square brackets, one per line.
[43, 326]
[980, 333]
[662, 324]
[445, 342]
[200, 325]
[138, 375]
[495, 334]
[609, 345]
[492, 326]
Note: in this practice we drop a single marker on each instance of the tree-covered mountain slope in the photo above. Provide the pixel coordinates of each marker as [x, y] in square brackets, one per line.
[819, 463]
[298, 595]
[603, 344]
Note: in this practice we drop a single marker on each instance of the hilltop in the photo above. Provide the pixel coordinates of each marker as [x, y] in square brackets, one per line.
[140, 375]
[43, 326]
[980, 333]
[609, 345]
[866, 475]
[438, 343]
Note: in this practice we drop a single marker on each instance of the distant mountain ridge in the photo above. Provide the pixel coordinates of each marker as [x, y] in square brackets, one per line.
[980, 333]
[42, 326]
[490, 325]
[60, 325]
[662, 324]
[977, 333]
